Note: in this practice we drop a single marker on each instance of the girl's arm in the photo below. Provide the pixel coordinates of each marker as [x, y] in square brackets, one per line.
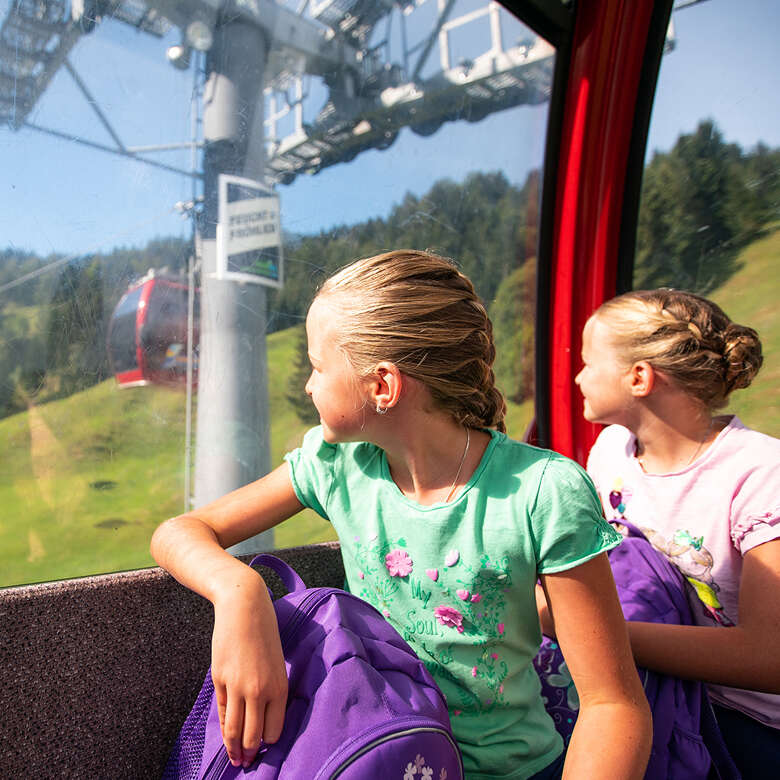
[592, 634]
[743, 656]
[247, 662]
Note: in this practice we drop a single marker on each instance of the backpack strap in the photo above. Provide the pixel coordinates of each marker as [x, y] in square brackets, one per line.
[722, 763]
[632, 529]
[289, 577]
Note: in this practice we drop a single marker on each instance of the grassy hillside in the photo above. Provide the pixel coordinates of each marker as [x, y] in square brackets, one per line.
[750, 298]
[85, 480]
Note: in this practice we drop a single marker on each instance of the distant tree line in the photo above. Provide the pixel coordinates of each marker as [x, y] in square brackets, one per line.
[701, 202]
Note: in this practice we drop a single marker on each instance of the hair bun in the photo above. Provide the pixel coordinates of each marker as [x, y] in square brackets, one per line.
[741, 355]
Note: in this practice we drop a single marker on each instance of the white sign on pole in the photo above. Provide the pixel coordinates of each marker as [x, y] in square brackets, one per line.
[249, 237]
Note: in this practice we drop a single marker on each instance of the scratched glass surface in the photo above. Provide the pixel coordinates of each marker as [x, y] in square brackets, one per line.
[709, 217]
[369, 125]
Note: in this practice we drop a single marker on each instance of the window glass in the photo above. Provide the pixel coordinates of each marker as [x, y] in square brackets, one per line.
[418, 123]
[709, 217]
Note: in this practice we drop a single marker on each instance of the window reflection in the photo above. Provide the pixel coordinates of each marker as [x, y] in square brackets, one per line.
[432, 137]
[708, 219]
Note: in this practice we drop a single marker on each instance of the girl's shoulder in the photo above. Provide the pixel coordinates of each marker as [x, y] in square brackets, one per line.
[739, 435]
[612, 451]
[518, 454]
[537, 462]
[615, 437]
[615, 444]
[739, 449]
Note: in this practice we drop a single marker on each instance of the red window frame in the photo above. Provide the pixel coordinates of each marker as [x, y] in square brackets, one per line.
[606, 71]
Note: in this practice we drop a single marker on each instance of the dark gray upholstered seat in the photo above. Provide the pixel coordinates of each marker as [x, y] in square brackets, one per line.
[97, 674]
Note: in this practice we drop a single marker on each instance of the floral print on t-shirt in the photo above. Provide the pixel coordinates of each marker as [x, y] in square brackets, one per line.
[452, 611]
[686, 551]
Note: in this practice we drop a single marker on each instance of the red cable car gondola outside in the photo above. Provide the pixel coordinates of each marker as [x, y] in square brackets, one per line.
[147, 334]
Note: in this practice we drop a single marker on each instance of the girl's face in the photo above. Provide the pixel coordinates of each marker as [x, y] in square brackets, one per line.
[333, 385]
[603, 379]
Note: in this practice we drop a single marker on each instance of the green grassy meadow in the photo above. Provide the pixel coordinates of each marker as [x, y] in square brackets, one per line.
[85, 480]
[750, 298]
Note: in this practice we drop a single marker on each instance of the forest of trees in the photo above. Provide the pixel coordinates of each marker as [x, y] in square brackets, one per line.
[701, 202]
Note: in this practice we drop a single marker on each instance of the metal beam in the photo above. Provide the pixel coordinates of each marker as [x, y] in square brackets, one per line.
[423, 58]
[103, 148]
[93, 103]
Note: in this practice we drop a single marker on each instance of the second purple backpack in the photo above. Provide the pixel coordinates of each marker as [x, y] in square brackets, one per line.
[687, 744]
[361, 704]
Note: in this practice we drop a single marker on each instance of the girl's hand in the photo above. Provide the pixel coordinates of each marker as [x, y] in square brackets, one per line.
[247, 662]
[247, 667]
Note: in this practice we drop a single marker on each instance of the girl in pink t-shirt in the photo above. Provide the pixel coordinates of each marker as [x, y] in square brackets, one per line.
[704, 489]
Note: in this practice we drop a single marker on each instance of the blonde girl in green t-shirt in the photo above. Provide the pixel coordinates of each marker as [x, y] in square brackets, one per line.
[402, 351]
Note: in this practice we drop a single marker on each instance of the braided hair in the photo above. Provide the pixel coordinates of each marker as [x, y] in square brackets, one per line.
[417, 310]
[687, 337]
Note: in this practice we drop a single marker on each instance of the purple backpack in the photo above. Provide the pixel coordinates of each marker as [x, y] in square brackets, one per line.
[687, 743]
[360, 705]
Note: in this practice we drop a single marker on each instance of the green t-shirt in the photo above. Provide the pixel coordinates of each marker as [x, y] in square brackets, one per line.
[457, 580]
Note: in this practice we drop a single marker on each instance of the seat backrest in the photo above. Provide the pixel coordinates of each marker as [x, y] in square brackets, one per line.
[99, 673]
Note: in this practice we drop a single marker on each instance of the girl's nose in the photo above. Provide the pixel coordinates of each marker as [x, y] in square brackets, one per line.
[307, 386]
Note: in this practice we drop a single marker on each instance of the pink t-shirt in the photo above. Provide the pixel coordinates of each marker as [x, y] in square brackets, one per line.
[704, 519]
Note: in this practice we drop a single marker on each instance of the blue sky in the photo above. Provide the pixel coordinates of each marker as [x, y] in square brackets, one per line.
[56, 196]
[725, 66]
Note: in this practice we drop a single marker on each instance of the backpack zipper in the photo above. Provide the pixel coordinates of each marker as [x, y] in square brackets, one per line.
[301, 613]
[347, 754]
[220, 766]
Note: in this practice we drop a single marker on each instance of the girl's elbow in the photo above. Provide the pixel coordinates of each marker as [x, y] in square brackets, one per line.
[646, 715]
[161, 539]
[641, 712]
[639, 703]
[624, 708]
[156, 542]
[637, 712]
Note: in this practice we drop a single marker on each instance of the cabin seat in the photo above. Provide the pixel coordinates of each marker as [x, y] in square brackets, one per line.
[98, 673]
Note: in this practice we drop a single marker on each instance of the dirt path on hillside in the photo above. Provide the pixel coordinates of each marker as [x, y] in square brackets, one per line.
[60, 487]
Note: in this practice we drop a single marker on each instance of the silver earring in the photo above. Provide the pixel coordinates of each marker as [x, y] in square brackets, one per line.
[381, 409]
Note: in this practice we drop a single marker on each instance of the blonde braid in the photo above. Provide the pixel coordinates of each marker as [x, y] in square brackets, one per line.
[687, 337]
[417, 310]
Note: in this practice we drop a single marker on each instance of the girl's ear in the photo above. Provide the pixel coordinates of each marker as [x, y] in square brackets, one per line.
[385, 385]
[641, 378]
